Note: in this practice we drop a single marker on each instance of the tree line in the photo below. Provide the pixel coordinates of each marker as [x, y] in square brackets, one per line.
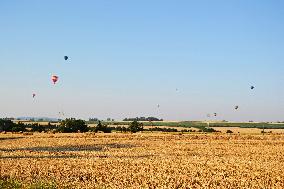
[69, 125]
[72, 125]
[143, 119]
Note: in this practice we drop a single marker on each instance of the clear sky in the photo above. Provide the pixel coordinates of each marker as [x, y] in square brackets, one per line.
[126, 57]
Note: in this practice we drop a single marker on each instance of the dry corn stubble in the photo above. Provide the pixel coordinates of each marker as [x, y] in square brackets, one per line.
[144, 160]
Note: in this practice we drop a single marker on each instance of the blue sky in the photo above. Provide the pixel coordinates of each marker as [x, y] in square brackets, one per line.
[128, 56]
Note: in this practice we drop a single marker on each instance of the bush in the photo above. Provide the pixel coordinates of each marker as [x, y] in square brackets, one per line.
[72, 125]
[121, 129]
[135, 126]
[10, 183]
[185, 130]
[208, 130]
[229, 131]
[6, 182]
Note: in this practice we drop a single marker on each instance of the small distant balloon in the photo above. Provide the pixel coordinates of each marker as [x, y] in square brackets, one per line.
[215, 114]
[236, 107]
[158, 105]
[34, 95]
[252, 87]
[65, 57]
[54, 79]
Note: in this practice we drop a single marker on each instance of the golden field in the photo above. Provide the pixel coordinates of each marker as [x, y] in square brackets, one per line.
[247, 130]
[144, 160]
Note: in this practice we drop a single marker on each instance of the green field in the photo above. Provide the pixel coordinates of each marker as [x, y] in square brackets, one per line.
[200, 124]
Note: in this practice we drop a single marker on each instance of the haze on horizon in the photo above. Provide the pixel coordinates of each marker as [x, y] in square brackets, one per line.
[126, 57]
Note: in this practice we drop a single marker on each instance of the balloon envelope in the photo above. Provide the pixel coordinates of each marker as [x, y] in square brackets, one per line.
[65, 57]
[54, 79]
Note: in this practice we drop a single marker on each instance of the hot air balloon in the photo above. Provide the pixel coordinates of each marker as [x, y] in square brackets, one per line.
[65, 57]
[215, 114]
[158, 105]
[34, 95]
[54, 79]
[236, 107]
[251, 87]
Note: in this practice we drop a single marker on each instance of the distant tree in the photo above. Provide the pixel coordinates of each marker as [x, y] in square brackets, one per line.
[8, 125]
[135, 126]
[166, 129]
[142, 119]
[50, 127]
[93, 119]
[102, 127]
[123, 129]
[99, 126]
[37, 127]
[118, 128]
[18, 127]
[72, 125]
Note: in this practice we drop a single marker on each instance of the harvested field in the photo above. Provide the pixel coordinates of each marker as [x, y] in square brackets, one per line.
[143, 160]
[247, 130]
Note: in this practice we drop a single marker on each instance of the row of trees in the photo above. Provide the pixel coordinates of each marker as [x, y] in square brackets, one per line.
[143, 119]
[10, 126]
[66, 126]
[72, 125]
[170, 129]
